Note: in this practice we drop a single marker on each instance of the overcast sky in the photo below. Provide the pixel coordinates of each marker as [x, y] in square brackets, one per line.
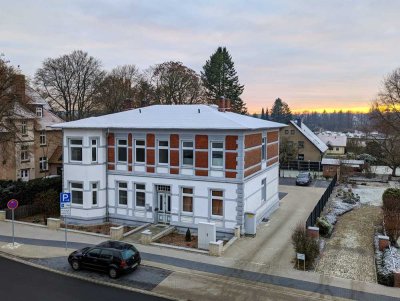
[313, 54]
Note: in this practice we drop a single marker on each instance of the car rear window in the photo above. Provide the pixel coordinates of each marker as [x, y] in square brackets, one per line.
[128, 253]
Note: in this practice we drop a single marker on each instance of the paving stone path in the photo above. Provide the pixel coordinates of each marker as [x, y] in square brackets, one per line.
[349, 253]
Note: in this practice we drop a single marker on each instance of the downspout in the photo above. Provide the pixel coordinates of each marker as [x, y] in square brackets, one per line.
[106, 153]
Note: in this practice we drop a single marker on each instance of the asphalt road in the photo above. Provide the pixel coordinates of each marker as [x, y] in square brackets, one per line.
[20, 282]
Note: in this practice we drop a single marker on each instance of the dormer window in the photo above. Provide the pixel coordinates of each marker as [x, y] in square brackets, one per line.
[39, 112]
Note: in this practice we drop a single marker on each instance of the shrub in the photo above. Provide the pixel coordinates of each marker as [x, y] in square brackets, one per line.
[188, 236]
[391, 213]
[305, 244]
[325, 227]
[49, 202]
[391, 199]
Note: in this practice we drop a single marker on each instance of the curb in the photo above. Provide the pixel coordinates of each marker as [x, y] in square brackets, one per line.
[113, 285]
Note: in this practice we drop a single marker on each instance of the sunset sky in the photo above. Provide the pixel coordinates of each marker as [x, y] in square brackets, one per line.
[313, 54]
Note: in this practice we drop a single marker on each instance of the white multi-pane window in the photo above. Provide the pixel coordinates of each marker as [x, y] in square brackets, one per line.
[23, 127]
[217, 154]
[122, 193]
[39, 112]
[140, 151]
[24, 153]
[43, 164]
[217, 202]
[263, 149]
[75, 150]
[140, 195]
[264, 190]
[76, 193]
[122, 150]
[187, 153]
[163, 152]
[93, 149]
[95, 191]
[187, 200]
[42, 137]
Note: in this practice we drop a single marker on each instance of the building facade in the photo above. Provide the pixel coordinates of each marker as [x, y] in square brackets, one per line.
[27, 147]
[336, 143]
[179, 165]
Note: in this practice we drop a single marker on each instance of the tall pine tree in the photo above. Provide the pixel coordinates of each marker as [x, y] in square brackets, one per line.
[220, 79]
[281, 112]
[262, 114]
[267, 114]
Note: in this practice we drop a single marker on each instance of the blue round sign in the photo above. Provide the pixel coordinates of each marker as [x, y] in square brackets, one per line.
[12, 204]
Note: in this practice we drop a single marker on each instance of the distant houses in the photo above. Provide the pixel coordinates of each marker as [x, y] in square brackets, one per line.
[336, 142]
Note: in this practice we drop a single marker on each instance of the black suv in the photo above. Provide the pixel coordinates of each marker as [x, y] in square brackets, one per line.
[113, 257]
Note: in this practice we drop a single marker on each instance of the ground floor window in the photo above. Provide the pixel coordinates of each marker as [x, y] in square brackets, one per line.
[187, 199]
[122, 193]
[94, 194]
[140, 193]
[217, 202]
[76, 193]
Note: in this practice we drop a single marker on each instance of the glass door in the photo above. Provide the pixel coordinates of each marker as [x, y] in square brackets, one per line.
[164, 207]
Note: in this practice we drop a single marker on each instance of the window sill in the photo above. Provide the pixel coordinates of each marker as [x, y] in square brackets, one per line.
[123, 205]
[186, 213]
[217, 217]
[140, 208]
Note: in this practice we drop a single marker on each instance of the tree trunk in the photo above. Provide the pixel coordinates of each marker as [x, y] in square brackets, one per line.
[394, 171]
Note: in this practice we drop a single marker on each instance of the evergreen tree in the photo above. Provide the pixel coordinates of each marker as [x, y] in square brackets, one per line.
[262, 114]
[281, 112]
[220, 79]
[267, 115]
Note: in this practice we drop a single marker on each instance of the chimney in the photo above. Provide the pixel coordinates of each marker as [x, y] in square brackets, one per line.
[298, 121]
[224, 104]
[19, 87]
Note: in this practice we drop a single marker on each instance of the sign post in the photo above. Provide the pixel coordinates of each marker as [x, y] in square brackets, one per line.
[65, 210]
[12, 204]
[301, 256]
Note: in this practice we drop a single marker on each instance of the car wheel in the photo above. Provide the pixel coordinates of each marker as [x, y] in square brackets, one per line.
[75, 265]
[112, 273]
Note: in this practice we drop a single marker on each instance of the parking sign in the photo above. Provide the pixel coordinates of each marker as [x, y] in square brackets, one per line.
[65, 203]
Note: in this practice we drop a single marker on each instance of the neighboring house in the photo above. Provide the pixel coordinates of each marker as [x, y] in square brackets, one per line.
[25, 155]
[330, 166]
[307, 146]
[336, 142]
[175, 164]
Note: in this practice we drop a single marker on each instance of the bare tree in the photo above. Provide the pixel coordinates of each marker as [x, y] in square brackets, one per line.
[118, 89]
[175, 83]
[71, 83]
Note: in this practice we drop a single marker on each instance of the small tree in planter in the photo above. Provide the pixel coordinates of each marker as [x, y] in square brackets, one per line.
[305, 244]
[188, 236]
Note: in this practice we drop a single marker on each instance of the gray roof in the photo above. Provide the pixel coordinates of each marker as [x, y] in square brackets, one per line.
[329, 161]
[310, 136]
[195, 117]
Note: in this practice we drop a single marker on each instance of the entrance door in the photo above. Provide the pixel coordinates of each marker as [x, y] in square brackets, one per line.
[164, 207]
[25, 175]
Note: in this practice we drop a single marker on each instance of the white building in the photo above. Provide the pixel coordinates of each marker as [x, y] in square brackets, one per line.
[176, 164]
[336, 142]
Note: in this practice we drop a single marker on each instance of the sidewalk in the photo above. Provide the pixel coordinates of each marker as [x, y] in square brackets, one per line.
[226, 267]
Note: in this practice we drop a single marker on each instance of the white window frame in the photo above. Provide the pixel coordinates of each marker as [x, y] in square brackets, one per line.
[43, 162]
[136, 146]
[122, 189]
[183, 148]
[217, 150]
[217, 198]
[43, 138]
[122, 146]
[264, 190]
[264, 149]
[94, 186]
[71, 189]
[24, 153]
[24, 128]
[39, 112]
[159, 148]
[141, 190]
[96, 147]
[183, 194]
[70, 146]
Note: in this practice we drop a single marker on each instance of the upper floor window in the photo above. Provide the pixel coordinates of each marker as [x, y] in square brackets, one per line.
[286, 132]
[93, 148]
[217, 154]
[24, 153]
[75, 150]
[163, 152]
[39, 112]
[122, 150]
[291, 132]
[122, 193]
[263, 149]
[43, 164]
[217, 202]
[42, 137]
[140, 151]
[23, 127]
[140, 193]
[187, 153]
[301, 144]
[76, 193]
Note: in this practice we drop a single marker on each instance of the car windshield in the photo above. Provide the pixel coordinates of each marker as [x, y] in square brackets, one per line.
[303, 175]
[128, 253]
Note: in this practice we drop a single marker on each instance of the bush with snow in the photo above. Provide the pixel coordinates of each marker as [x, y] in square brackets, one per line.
[387, 262]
